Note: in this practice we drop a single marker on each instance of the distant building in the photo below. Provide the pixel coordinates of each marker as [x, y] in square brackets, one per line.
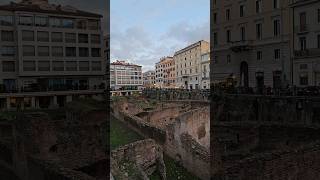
[205, 70]
[149, 79]
[125, 76]
[251, 42]
[306, 42]
[47, 47]
[165, 73]
[188, 65]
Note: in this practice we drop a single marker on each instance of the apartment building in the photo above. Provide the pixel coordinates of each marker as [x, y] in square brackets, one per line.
[125, 76]
[251, 42]
[46, 47]
[205, 70]
[149, 79]
[306, 42]
[165, 73]
[188, 65]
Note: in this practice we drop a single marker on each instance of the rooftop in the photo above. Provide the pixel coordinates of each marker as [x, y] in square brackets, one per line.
[124, 63]
[42, 6]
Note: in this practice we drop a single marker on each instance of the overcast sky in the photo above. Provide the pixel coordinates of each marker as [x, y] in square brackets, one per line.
[95, 6]
[143, 31]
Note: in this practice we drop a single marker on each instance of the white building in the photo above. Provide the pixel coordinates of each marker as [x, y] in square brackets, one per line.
[125, 76]
[205, 71]
[188, 65]
[306, 42]
[47, 47]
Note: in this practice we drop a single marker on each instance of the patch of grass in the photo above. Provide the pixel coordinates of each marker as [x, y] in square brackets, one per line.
[121, 135]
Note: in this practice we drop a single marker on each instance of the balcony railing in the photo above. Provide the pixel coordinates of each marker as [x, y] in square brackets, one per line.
[307, 52]
[243, 45]
[302, 28]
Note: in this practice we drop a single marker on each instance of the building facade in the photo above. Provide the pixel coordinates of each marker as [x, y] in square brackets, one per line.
[149, 79]
[165, 73]
[46, 47]
[188, 65]
[250, 41]
[125, 76]
[205, 71]
[306, 42]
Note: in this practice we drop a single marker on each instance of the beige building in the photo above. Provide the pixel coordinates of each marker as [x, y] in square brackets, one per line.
[188, 65]
[251, 42]
[125, 76]
[306, 42]
[165, 73]
[205, 70]
[46, 47]
[149, 79]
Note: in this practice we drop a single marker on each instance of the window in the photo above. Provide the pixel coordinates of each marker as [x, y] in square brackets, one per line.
[43, 50]
[214, 18]
[304, 79]
[29, 65]
[27, 35]
[71, 65]
[83, 38]
[95, 52]
[8, 66]
[67, 23]
[6, 20]
[215, 38]
[276, 28]
[8, 51]
[28, 51]
[259, 31]
[228, 34]
[96, 66]
[95, 38]
[93, 24]
[318, 15]
[228, 14]
[277, 54]
[318, 41]
[215, 59]
[276, 4]
[303, 21]
[71, 52]
[58, 65]
[7, 36]
[84, 65]
[259, 55]
[82, 24]
[43, 65]
[43, 36]
[55, 22]
[258, 6]
[70, 38]
[83, 52]
[228, 59]
[56, 37]
[41, 21]
[57, 51]
[26, 20]
[243, 33]
[303, 43]
[242, 9]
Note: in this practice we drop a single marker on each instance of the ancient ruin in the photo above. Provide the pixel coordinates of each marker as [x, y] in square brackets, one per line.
[46, 145]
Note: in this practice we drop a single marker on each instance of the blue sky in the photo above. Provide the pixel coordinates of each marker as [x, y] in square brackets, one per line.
[143, 31]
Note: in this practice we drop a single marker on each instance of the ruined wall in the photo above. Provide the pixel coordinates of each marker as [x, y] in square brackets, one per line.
[188, 141]
[256, 137]
[146, 155]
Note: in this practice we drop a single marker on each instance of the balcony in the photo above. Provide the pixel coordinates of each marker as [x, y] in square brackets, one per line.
[303, 28]
[240, 46]
[307, 53]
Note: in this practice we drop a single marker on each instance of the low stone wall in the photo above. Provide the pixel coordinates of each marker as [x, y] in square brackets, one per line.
[176, 94]
[142, 128]
[146, 158]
